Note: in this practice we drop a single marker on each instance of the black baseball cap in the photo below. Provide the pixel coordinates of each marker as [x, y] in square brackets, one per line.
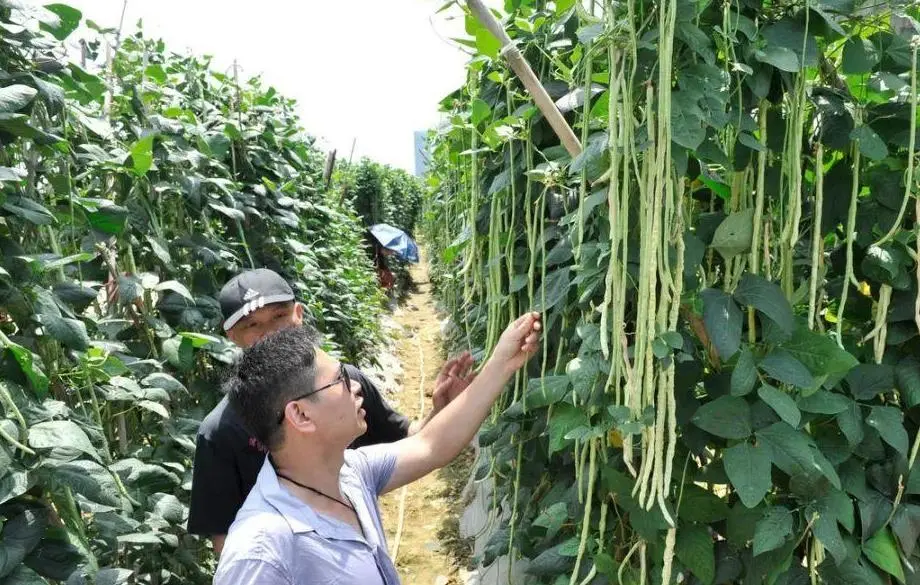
[251, 290]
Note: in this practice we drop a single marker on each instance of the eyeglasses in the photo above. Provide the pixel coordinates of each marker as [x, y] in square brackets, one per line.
[342, 377]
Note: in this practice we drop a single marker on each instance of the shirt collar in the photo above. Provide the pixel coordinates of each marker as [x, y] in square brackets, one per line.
[300, 516]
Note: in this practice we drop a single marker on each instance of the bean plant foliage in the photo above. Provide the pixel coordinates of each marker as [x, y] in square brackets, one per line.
[729, 384]
[128, 196]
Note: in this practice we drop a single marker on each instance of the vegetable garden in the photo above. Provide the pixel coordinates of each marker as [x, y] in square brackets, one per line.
[133, 183]
[729, 385]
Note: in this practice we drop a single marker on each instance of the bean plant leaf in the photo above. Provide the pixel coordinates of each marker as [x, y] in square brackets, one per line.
[866, 381]
[553, 290]
[780, 365]
[744, 376]
[819, 353]
[723, 320]
[882, 550]
[772, 530]
[748, 468]
[67, 21]
[824, 402]
[728, 417]
[16, 97]
[889, 422]
[142, 155]
[733, 236]
[870, 143]
[694, 548]
[781, 403]
[20, 535]
[768, 298]
[52, 434]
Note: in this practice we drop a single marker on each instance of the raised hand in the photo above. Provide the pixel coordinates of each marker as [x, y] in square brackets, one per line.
[518, 342]
[453, 379]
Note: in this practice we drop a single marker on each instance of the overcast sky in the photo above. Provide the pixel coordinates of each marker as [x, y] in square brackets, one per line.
[371, 70]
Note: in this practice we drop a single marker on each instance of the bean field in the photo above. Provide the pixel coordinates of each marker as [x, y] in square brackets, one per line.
[133, 183]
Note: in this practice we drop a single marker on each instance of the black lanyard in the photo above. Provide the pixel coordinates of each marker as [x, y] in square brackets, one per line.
[314, 490]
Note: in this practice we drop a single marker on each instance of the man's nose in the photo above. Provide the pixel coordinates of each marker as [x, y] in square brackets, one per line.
[355, 388]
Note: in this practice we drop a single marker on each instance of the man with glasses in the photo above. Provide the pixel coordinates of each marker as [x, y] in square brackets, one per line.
[256, 304]
[312, 517]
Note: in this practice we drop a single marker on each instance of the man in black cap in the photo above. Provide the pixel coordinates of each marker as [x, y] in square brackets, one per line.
[255, 304]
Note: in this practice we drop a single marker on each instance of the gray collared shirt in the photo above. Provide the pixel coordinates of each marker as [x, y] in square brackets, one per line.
[277, 539]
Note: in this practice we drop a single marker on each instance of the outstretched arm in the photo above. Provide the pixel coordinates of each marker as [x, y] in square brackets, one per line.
[449, 431]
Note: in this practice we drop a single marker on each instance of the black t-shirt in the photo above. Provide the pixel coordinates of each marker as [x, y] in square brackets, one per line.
[228, 459]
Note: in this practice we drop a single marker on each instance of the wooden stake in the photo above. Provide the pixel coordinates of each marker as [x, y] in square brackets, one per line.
[522, 69]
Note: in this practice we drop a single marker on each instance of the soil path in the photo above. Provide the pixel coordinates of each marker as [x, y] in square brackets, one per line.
[429, 551]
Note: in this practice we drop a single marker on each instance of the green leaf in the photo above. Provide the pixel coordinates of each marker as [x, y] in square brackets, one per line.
[699, 505]
[480, 111]
[850, 422]
[176, 287]
[86, 478]
[164, 381]
[780, 57]
[142, 155]
[780, 365]
[827, 531]
[113, 576]
[772, 530]
[866, 381]
[824, 402]
[29, 210]
[542, 392]
[20, 535]
[180, 352]
[8, 174]
[16, 97]
[744, 376]
[871, 144]
[819, 353]
[748, 468]
[781, 403]
[733, 236]
[228, 211]
[168, 507]
[695, 550]
[53, 434]
[55, 557]
[728, 417]
[882, 550]
[687, 127]
[906, 526]
[68, 20]
[70, 332]
[553, 290]
[859, 56]
[28, 364]
[723, 320]
[768, 298]
[889, 422]
[792, 449]
[154, 407]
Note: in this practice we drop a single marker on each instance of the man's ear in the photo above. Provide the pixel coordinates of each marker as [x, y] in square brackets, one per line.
[298, 313]
[232, 336]
[299, 417]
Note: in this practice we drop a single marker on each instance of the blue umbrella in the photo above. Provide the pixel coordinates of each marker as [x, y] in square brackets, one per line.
[396, 240]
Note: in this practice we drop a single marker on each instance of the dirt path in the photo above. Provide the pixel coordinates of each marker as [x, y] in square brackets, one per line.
[429, 549]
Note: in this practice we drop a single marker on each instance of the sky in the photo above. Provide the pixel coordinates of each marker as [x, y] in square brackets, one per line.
[368, 71]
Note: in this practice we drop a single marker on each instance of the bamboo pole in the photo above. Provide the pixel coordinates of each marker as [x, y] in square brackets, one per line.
[522, 69]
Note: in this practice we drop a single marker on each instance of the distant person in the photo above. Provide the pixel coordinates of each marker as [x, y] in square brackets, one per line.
[312, 517]
[256, 304]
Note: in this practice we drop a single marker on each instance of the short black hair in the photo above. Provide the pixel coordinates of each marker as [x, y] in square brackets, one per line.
[270, 374]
